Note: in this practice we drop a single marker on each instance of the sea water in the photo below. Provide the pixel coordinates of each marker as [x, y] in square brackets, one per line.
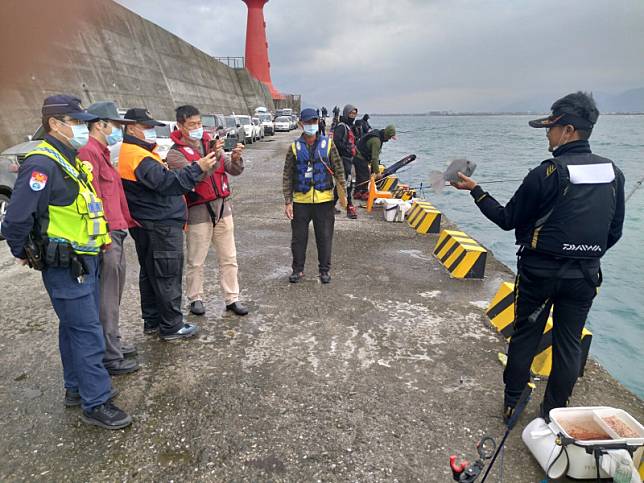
[506, 148]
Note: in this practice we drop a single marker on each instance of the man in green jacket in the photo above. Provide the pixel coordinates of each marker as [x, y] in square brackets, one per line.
[367, 158]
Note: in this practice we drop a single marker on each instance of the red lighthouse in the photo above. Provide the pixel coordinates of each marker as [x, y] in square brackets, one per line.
[257, 61]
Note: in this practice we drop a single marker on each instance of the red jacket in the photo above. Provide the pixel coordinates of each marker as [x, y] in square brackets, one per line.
[211, 187]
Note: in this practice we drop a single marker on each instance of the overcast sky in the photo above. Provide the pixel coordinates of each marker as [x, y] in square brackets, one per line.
[421, 55]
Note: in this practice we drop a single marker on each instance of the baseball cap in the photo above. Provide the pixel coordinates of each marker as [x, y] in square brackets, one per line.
[390, 132]
[577, 109]
[308, 114]
[107, 111]
[62, 104]
[142, 116]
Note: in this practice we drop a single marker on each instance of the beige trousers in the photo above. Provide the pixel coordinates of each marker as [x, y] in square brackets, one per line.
[198, 240]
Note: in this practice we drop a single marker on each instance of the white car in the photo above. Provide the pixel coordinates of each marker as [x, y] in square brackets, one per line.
[267, 123]
[259, 127]
[282, 123]
[164, 143]
[249, 129]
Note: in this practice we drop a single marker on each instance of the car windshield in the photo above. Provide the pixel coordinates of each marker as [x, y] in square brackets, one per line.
[283, 119]
[208, 121]
[244, 120]
[162, 131]
[256, 121]
[265, 118]
[230, 122]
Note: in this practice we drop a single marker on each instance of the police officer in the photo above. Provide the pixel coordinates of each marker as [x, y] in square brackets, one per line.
[567, 212]
[154, 195]
[312, 163]
[55, 223]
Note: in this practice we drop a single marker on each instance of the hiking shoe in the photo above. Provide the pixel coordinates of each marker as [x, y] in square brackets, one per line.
[237, 308]
[107, 416]
[325, 277]
[188, 330]
[128, 350]
[124, 366]
[351, 212]
[296, 277]
[197, 307]
[72, 397]
[150, 328]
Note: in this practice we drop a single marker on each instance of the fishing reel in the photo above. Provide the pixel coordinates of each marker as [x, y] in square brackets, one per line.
[464, 472]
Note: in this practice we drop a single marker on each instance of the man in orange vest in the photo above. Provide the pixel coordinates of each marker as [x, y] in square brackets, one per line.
[155, 199]
[210, 214]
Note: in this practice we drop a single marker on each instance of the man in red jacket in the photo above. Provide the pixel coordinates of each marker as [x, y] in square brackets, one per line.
[210, 217]
[107, 131]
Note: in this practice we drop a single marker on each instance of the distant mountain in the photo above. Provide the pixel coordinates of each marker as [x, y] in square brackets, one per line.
[627, 101]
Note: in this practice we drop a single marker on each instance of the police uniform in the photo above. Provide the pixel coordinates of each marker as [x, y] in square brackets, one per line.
[53, 200]
[567, 212]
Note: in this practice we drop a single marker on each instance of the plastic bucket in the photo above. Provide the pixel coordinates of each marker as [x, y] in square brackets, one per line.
[540, 440]
[391, 208]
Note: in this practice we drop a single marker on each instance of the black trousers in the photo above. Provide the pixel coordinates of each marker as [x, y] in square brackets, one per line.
[159, 248]
[572, 299]
[348, 164]
[362, 174]
[323, 221]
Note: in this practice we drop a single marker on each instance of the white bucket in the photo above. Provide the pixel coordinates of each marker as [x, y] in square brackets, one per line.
[540, 440]
[391, 209]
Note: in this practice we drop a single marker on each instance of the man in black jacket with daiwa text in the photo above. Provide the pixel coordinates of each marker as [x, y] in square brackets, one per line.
[567, 212]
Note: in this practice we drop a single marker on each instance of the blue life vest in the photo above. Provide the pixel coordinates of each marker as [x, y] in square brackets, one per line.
[319, 169]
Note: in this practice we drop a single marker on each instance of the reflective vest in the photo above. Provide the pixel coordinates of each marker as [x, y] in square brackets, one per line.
[210, 188]
[362, 148]
[82, 223]
[577, 225]
[131, 156]
[313, 177]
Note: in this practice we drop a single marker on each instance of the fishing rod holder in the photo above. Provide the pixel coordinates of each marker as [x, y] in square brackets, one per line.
[464, 472]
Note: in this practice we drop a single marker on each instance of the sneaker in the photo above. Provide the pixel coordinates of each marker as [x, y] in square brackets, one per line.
[107, 416]
[128, 350]
[351, 212]
[150, 328]
[325, 277]
[197, 307]
[188, 330]
[296, 277]
[72, 397]
[124, 366]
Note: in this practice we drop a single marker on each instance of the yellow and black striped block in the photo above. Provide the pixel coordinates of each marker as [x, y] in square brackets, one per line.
[424, 217]
[501, 315]
[461, 255]
[404, 192]
[387, 184]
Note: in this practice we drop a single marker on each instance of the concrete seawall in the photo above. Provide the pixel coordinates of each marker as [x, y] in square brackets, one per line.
[379, 376]
[99, 50]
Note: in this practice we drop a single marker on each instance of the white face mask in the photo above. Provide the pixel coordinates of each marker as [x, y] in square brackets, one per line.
[80, 135]
[150, 135]
[560, 143]
[196, 134]
[310, 129]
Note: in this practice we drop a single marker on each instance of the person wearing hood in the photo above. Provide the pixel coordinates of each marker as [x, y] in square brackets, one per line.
[362, 126]
[312, 165]
[345, 141]
[367, 159]
[210, 214]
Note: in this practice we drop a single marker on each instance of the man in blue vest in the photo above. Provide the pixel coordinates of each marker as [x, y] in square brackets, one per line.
[55, 223]
[312, 163]
[567, 212]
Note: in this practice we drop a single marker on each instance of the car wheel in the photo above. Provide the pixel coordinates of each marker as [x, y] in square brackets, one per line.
[4, 203]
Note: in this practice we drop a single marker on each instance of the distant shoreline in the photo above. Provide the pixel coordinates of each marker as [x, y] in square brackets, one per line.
[528, 113]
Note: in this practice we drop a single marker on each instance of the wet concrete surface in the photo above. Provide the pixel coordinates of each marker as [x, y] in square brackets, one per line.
[379, 376]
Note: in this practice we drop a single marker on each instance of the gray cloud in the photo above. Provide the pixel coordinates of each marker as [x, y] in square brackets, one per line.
[419, 55]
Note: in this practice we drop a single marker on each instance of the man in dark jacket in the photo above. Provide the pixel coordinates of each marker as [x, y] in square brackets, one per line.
[367, 159]
[363, 126]
[345, 141]
[567, 212]
[155, 199]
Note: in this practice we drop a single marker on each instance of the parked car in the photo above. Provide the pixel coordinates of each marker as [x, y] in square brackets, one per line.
[249, 130]
[259, 128]
[267, 121]
[294, 121]
[282, 123]
[214, 125]
[235, 130]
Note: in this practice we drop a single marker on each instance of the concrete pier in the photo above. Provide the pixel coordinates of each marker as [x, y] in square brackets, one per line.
[379, 376]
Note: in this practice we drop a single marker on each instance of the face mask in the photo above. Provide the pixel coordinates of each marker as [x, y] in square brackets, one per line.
[560, 143]
[114, 137]
[196, 134]
[80, 135]
[150, 135]
[310, 129]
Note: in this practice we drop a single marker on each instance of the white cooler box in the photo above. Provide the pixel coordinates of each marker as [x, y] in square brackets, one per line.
[395, 209]
[588, 426]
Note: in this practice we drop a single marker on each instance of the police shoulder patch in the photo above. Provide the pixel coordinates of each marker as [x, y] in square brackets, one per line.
[38, 180]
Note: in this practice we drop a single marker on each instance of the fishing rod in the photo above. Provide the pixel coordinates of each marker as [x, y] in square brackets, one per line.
[635, 188]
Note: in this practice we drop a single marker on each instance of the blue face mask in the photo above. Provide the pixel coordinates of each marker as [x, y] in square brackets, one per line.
[116, 136]
[80, 135]
[310, 129]
[150, 135]
[196, 134]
